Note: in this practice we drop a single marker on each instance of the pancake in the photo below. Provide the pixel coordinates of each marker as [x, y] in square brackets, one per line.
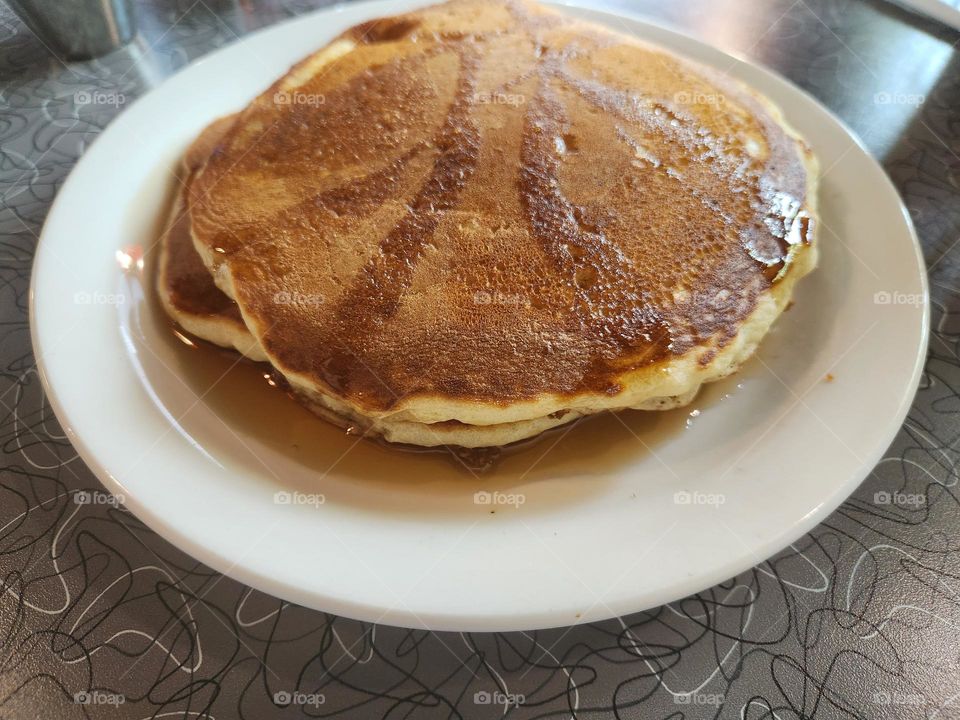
[184, 285]
[486, 217]
[194, 302]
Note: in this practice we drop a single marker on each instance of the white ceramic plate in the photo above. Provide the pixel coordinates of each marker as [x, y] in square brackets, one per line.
[615, 517]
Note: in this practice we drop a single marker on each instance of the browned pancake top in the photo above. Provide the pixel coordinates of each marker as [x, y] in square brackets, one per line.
[486, 201]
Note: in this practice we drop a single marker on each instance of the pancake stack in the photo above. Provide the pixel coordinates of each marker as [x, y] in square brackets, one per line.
[471, 223]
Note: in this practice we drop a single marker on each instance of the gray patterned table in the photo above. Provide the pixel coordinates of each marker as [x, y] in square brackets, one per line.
[99, 617]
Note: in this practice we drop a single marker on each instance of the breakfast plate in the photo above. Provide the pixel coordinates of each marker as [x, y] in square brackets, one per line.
[610, 516]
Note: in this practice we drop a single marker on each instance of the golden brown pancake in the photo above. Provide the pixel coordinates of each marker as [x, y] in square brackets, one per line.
[194, 302]
[184, 285]
[486, 212]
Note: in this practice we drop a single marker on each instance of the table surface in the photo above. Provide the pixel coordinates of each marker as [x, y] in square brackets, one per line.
[100, 617]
